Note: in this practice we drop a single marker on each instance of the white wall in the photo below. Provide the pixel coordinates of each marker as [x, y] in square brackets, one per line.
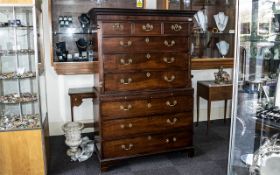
[57, 88]
[58, 85]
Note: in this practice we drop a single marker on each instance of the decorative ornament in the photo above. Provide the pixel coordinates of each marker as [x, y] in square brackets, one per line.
[73, 132]
[221, 76]
[84, 21]
[223, 47]
[266, 159]
[221, 21]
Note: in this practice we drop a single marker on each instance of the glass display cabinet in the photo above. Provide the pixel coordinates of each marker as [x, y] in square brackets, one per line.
[23, 111]
[255, 141]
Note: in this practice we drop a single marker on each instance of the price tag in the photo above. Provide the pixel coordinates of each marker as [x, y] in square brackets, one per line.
[139, 3]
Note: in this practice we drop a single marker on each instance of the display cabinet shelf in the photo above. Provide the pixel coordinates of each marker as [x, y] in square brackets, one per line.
[16, 52]
[16, 27]
[15, 98]
[12, 123]
[23, 110]
[211, 63]
[15, 75]
[72, 68]
[74, 33]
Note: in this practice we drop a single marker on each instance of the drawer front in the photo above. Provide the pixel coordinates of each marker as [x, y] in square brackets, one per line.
[177, 28]
[151, 106]
[145, 80]
[147, 144]
[221, 93]
[144, 44]
[116, 28]
[113, 129]
[148, 28]
[124, 62]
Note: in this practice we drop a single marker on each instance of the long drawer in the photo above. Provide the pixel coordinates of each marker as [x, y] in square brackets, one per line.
[147, 144]
[142, 61]
[145, 80]
[144, 44]
[113, 129]
[150, 106]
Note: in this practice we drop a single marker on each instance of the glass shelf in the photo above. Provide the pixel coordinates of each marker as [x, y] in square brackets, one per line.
[15, 98]
[11, 123]
[16, 52]
[17, 27]
[74, 33]
[14, 75]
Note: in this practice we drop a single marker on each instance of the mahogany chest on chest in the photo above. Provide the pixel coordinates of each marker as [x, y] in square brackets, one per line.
[145, 96]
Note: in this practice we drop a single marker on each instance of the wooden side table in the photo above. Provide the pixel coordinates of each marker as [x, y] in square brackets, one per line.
[211, 91]
[76, 98]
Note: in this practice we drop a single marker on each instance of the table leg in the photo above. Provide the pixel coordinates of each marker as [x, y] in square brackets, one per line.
[71, 101]
[208, 113]
[197, 109]
[225, 111]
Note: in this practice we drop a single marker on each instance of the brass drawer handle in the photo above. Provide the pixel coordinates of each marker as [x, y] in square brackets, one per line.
[168, 61]
[128, 126]
[147, 40]
[149, 105]
[128, 81]
[169, 44]
[128, 44]
[129, 61]
[172, 78]
[130, 146]
[117, 27]
[148, 56]
[172, 122]
[176, 27]
[147, 27]
[127, 108]
[174, 139]
[168, 103]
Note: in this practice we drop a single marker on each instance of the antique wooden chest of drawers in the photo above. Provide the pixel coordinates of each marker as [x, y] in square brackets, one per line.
[145, 95]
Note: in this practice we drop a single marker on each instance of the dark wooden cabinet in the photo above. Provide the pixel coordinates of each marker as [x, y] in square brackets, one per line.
[145, 95]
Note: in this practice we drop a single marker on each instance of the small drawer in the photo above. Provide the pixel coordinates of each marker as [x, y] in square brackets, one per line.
[156, 61]
[177, 28]
[150, 106]
[119, 128]
[116, 28]
[145, 80]
[146, 144]
[147, 28]
[144, 44]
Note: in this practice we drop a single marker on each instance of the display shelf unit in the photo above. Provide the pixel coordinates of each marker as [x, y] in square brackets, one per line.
[211, 63]
[254, 147]
[74, 61]
[23, 111]
[206, 54]
[71, 68]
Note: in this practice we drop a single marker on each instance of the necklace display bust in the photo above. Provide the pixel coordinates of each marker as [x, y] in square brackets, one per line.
[201, 19]
[221, 21]
[223, 47]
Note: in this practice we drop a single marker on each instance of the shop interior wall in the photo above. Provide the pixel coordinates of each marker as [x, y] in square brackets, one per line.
[59, 101]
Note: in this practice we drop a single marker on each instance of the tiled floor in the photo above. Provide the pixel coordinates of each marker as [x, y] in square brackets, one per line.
[210, 158]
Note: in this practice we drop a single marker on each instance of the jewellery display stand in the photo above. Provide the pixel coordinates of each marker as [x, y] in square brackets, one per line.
[23, 112]
[220, 27]
[79, 36]
[221, 21]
